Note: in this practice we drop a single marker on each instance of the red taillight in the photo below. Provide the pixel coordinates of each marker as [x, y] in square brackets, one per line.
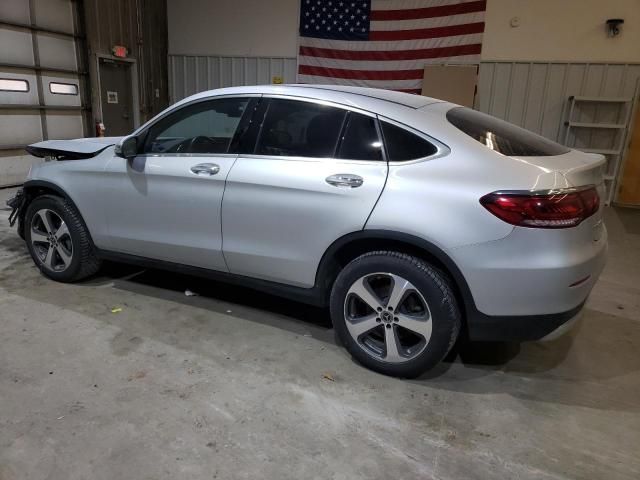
[562, 208]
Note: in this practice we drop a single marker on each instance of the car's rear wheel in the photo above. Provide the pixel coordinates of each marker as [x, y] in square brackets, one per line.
[58, 240]
[395, 313]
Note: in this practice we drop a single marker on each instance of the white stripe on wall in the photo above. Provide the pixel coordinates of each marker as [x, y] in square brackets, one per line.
[405, 4]
[385, 65]
[420, 23]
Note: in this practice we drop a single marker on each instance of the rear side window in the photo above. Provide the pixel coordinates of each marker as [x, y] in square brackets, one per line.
[503, 137]
[360, 139]
[300, 129]
[404, 145]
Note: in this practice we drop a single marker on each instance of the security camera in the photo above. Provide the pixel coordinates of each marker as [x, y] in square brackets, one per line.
[613, 26]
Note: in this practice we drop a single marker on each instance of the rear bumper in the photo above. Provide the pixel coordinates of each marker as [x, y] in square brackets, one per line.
[534, 272]
[531, 285]
[522, 328]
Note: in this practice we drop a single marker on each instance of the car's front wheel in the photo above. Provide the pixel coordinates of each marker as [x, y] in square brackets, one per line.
[58, 240]
[395, 313]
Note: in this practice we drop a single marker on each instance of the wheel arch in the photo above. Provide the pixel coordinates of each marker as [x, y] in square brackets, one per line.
[352, 245]
[37, 188]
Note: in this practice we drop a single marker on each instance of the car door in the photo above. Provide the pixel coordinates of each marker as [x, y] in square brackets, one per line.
[165, 203]
[313, 174]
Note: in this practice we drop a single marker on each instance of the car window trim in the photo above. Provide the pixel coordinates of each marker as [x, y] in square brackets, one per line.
[383, 147]
[309, 159]
[320, 101]
[182, 154]
[441, 148]
[245, 122]
[341, 134]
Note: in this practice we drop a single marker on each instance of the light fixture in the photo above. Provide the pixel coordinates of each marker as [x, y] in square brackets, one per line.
[613, 26]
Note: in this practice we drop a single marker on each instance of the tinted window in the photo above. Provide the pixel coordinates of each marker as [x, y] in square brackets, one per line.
[294, 128]
[206, 127]
[403, 145]
[501, 136]
[360, 139]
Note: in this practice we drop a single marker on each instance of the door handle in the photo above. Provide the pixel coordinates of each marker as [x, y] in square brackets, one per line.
[345, 180]
[205, 169]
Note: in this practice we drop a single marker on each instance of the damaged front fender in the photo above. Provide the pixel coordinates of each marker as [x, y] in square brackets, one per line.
[17, 204]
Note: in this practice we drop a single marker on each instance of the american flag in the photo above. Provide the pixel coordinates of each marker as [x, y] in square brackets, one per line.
[385, 43]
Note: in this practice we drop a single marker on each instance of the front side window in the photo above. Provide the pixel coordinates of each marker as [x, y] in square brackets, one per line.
[502, 137]
[360, 139]
[205, 127]
[300, 129]
[403, 145]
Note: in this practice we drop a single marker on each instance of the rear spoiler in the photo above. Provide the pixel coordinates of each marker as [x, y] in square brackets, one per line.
[71, 149]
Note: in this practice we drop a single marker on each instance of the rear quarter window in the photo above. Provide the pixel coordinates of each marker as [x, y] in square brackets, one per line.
[503, 137]
[403, 145]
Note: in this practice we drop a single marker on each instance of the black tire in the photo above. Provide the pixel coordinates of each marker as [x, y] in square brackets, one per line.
[431, 283]
[84, 261]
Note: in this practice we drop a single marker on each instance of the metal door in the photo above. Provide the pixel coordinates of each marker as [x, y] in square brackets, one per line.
[115, 97]
[165, 204]
[281, 212]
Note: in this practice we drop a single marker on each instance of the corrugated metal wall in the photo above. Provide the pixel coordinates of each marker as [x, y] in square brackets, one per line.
[141, 26]
[534, 95]
[193, 74]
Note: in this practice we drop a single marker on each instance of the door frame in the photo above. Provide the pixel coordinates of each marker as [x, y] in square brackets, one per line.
[97, 92]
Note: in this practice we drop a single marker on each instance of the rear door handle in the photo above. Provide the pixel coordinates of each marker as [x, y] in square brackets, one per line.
[345, 180]
[205, 169]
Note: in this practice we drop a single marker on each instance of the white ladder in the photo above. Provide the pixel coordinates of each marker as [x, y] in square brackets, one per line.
[619, 130]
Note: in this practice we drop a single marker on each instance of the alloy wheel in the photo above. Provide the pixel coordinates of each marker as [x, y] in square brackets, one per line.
[51, 240]
[387, 317]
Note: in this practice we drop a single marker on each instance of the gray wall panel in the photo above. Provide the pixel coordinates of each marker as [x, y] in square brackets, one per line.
[16, 46]
[57, 51]
[14, 11]
[54, 14]
[56, 98]
[193, 74]
[534, 95]
[63, 124]
[19, 127]
[18, 98]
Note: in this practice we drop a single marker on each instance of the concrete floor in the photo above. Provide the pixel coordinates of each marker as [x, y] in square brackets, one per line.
[233, 384]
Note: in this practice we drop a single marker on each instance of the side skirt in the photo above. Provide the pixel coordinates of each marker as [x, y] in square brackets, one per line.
[312, 296]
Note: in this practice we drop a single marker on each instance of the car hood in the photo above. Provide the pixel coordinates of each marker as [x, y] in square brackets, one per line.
[72, 149]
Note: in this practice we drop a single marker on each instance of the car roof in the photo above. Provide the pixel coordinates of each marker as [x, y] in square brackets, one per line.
[339, 93]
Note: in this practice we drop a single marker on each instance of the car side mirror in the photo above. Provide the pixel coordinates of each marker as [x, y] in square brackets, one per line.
[127, 148]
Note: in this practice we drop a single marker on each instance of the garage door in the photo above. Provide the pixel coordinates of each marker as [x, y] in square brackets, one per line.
[40, 85]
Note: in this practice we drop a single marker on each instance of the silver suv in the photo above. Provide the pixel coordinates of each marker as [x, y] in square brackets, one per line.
[412, 219]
